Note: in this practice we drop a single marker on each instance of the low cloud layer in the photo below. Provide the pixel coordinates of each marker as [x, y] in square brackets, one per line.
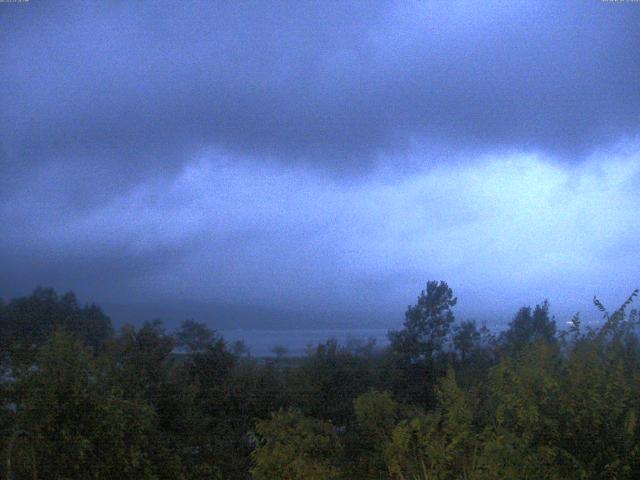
[504, 231]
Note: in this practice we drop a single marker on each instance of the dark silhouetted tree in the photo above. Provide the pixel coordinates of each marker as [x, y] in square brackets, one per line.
[27, 323]
[529, 327]
[418, 349]
[194, 337]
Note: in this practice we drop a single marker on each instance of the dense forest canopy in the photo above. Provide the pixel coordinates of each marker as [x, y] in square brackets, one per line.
[447, 399]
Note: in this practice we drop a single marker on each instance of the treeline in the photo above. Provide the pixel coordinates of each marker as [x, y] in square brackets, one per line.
[446, 399]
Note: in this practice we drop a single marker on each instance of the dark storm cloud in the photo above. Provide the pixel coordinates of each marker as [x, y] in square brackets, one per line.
[334, 83]
[178, 152]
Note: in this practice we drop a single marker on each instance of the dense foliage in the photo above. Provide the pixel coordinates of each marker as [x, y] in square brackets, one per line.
[445, 400]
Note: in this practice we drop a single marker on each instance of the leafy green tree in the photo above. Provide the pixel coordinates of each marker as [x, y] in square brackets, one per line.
[600, 404]
[194, 336]
[526, 395]
[418, 350]
[142, 359]
[416, 450]
[26, 323]
[377, 415]
[529, 327]
[474, 352]
[442, 444]
[294, 447]
[141, 365]
[216, 443]
[240, 349]
[466, 339]
[427, 324]
[70, 422]
[328, 380]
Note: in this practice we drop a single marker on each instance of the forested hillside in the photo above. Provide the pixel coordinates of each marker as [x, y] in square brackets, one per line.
[447, 399]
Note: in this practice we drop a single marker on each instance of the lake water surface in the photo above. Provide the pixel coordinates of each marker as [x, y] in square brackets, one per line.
[296, 341]
[262, 342]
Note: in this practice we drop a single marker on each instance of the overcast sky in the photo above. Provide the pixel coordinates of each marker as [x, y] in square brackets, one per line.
[258, 160]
